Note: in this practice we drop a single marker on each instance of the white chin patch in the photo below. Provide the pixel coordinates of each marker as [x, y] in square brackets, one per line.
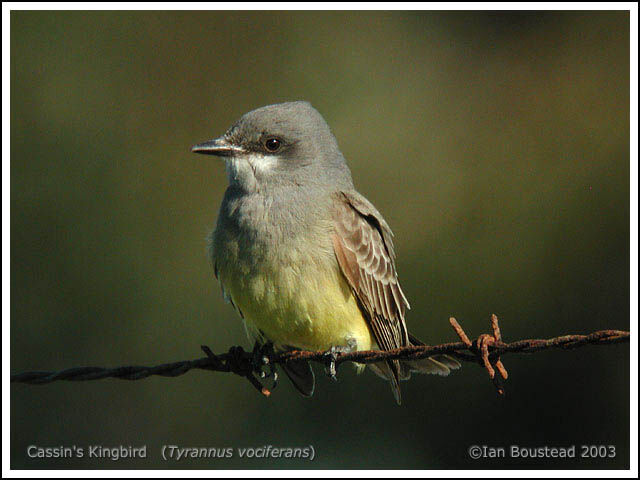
[248, 168]
[261, 163]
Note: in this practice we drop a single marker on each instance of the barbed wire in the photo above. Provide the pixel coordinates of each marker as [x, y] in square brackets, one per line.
[485, 350]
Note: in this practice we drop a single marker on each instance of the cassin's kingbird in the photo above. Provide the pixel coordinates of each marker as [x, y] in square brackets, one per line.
[306, 260]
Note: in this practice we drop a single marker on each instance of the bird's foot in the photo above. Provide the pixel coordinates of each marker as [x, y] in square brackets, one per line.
[262, 365]
[331, 357]
[246, 364]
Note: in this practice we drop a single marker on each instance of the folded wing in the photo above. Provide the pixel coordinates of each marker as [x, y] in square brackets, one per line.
[364, 249]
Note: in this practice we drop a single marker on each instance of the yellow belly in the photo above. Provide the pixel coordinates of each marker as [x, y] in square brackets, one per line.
[297, 303]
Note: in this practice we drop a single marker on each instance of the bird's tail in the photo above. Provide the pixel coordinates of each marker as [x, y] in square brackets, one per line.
[435, 365]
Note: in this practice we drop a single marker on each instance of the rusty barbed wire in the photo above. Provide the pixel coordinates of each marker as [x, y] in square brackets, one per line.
[486, 351]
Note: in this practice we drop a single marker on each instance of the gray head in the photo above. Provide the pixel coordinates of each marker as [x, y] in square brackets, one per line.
[287, 145]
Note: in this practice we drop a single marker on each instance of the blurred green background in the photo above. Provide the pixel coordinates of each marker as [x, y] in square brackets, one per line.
[496, 145]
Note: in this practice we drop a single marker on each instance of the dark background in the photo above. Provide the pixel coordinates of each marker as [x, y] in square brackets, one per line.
[495, 144]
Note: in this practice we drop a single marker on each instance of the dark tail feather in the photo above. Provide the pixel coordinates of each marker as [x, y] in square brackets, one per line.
[301, 375]
[390, 371]
[436, 364]
[401, 369]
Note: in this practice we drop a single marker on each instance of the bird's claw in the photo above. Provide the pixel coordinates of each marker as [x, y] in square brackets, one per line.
[262, 366]
[331, 357]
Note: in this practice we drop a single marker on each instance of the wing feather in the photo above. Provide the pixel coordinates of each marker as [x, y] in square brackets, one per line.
[364, 249]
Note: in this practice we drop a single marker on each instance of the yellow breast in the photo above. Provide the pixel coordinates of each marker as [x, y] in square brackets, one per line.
[293, 299]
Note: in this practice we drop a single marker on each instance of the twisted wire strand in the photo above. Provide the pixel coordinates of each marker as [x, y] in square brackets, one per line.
[234, 360]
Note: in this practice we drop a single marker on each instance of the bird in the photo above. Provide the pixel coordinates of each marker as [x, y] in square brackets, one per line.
[306, 260]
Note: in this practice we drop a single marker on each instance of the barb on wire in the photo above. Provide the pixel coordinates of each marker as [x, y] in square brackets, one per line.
[481, 349]
[486, 350]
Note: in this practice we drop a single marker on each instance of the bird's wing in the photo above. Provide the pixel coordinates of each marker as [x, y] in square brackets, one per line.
[364, 248]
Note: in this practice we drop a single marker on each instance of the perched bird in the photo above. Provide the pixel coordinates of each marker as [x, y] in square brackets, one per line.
[306, 260]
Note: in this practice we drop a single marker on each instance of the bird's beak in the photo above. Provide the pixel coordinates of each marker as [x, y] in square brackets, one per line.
[219, 147]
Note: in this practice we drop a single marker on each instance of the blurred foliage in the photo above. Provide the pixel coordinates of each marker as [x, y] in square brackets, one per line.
[496, 144]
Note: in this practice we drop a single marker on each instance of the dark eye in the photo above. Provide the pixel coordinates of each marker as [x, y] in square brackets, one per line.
[272, 144]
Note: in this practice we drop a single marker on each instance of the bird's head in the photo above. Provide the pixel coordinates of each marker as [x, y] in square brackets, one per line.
[283, 145]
